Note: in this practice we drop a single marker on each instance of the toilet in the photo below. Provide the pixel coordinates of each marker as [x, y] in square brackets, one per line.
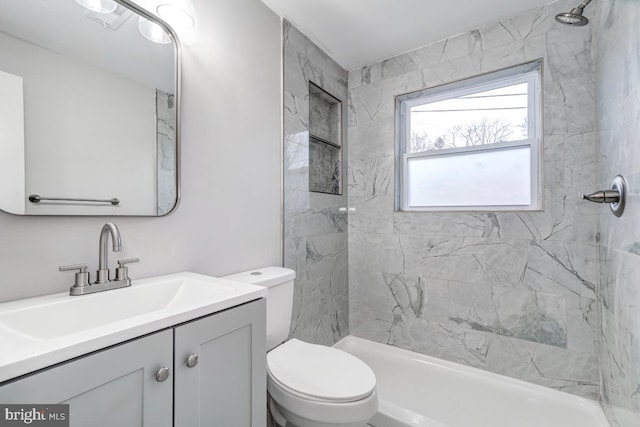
[308, 385]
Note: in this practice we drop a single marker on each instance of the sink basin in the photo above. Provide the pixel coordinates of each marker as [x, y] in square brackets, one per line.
[39, 332]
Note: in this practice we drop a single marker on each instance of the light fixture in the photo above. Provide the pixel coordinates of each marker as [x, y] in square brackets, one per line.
[99, 6]
[153, 31]
[177, 13]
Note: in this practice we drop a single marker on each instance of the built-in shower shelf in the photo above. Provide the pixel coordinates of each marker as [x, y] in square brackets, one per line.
[325, 141]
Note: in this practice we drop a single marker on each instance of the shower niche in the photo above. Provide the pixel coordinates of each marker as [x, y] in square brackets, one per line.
[325, 141]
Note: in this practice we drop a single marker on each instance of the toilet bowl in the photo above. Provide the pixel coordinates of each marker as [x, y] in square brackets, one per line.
[309, 385]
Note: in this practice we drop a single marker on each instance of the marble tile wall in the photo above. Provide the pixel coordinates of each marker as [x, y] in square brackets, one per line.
[510, 292]
[315, 235]
[617, 76]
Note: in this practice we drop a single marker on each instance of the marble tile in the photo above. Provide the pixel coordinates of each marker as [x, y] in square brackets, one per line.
[371, 200]
[502, 56]
[569, 106]
[496, 34]
[568, 52]
[561, 369]
[296, 117]
[617, 74]
[512, 292]
[495, 262]
[296, 161]
[372, 140]
[519, 313]
[315, 224]
[556, 222]
[580, 160]
[562, 268]
[582, 323]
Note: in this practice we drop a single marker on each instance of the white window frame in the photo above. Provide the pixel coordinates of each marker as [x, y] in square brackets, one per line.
[531, 74]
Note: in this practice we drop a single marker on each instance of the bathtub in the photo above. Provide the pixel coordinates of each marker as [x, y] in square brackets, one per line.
[423, 391]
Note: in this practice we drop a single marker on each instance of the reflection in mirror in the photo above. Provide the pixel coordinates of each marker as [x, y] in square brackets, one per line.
[89, 111]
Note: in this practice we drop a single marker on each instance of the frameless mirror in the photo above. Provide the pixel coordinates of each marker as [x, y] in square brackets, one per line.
[89, 109]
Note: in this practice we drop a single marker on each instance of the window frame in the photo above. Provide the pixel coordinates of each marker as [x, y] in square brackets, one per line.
[530, 73]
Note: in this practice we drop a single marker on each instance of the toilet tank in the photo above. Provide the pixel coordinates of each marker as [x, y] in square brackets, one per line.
[279, 282]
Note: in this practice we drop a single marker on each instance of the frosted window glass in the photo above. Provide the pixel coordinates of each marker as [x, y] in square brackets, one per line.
[485, 178]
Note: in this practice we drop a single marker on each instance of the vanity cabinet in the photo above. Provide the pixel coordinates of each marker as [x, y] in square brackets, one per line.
[114, 387]
[227, 386]
[224, 383]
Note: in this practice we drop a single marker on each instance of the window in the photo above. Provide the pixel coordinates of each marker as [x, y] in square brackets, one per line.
[473, 144]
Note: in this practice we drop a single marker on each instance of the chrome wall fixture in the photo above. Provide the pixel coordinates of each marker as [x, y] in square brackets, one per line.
[575, 17]
[36, 198]
[615, 197]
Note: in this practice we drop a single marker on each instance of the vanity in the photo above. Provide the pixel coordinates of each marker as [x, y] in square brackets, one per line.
[181, 349]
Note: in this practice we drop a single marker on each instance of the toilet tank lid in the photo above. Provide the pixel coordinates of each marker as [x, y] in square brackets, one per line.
[266, 276]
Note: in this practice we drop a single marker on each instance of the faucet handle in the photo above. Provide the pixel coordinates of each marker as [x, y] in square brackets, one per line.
[122, 272]
[82, 268]
[122, 262]
[82, 276]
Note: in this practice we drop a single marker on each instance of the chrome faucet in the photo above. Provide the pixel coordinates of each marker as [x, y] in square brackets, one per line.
[82, 284]
[102, 275]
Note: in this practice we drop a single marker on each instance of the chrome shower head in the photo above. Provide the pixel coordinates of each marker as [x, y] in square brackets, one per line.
[575, 17]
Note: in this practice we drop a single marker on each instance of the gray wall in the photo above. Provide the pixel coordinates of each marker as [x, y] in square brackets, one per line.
[229, 217]
[315, 233]
[617, 59]
[511, 292]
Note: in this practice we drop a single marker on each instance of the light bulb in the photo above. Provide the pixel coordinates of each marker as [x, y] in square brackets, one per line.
[100, 6]
[153, 31]
[177, 13]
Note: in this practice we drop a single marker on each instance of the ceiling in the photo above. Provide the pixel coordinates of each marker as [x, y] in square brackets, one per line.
[362, 32]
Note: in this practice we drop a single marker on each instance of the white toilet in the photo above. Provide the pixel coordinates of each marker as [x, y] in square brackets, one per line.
[309, 385]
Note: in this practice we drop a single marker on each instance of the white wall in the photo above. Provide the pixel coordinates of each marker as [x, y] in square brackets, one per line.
[81, 119]
[12, 143]
[229, 217]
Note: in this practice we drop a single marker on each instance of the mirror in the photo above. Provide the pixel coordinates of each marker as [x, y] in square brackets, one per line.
[89, 109]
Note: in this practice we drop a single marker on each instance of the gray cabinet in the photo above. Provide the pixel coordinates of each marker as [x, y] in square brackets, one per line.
[114, 387]
[118, 386]
[227, 386]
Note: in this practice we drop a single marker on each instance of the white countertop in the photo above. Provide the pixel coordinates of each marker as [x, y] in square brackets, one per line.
[39, 332]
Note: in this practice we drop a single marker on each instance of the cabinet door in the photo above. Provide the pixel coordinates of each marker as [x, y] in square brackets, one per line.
[114, 387]
[227, 387]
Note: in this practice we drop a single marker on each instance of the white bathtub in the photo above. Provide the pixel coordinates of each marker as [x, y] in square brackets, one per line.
[422, 391]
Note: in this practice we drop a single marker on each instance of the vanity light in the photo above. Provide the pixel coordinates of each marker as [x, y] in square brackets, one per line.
[153, 31]
[99, 6]
[177, 13]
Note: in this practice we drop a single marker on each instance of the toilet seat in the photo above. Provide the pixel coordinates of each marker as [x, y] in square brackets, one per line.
[319, 373]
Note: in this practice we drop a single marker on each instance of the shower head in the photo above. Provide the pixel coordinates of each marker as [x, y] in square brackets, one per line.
[575, 17]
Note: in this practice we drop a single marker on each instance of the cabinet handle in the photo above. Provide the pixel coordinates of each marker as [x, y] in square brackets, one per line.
[162, 374]
[192, 360]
